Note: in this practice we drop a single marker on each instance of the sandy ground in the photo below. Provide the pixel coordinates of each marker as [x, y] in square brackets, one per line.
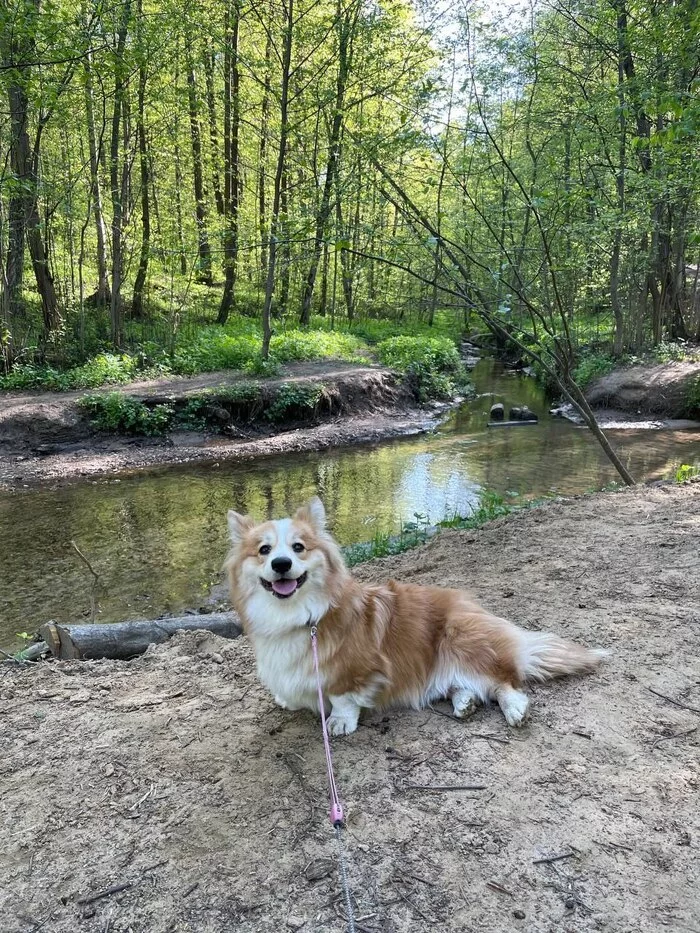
[660, 389]
[175, 775]
[44, 437]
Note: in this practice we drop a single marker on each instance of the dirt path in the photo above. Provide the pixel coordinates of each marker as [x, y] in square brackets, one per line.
[176, 775]
[44, 437]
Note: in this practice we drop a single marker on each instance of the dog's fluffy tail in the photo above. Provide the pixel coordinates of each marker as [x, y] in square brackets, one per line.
[543, 656]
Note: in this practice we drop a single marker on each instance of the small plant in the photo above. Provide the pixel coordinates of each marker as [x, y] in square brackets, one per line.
[121, 414]
[294, 400]
[685, 472]
[591, 366]
[260, 367]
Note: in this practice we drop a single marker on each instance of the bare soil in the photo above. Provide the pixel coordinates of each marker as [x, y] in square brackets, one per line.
[176, 777]
[45, 437]
[661, 389]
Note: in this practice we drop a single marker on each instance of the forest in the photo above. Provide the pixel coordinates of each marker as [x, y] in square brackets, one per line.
[181, 182]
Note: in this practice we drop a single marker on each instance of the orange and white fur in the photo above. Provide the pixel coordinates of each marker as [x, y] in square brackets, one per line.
[398, 644]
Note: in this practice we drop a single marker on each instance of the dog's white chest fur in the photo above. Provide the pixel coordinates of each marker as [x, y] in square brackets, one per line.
[285, 666]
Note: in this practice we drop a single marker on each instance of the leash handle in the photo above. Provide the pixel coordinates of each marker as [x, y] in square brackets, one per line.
[336, 811]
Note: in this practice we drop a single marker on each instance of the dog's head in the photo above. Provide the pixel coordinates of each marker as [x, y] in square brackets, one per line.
[283, 573]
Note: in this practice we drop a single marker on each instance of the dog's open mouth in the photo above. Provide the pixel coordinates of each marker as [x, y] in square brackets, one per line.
[284, 587]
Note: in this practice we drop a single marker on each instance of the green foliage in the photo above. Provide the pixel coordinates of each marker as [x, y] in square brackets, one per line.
[693, 399]
[592, 365]
[294, 400]
[316, 345]
[685, 472]
[490, 506]
[100, 370]
[413, 534]
[431, 364]
[121, 414]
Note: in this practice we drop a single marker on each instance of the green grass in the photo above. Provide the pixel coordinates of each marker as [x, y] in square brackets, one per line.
[413, 534]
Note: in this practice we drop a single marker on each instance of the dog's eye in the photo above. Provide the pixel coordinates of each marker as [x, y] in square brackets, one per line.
[298, 547]
[265, 549]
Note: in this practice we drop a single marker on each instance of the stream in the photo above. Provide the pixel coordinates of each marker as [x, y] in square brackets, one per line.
[158, 539]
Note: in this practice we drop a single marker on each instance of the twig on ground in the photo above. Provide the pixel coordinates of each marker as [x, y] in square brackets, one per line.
[191, 889]
[114, 889]
[675, 735]
[445, 787]
[499, 887]
[692, 709]
[548, 859]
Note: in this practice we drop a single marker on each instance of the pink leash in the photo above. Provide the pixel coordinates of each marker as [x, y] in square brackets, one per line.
[336, 813]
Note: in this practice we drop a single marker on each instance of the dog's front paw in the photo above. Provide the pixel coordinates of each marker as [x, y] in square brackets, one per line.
[341, 725]
[285, 704]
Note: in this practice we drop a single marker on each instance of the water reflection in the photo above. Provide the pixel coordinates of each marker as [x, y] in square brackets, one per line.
[158, 540]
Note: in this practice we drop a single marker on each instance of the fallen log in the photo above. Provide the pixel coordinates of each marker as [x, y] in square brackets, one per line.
[123, 640]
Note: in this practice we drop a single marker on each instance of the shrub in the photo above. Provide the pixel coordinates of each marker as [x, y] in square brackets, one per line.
[432, 364]
[121, 414]
[294, 400]
[591, 366]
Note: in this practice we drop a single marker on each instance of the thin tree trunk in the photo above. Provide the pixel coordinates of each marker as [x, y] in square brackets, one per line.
[281, 158]
[204, 250]
[208, 61]
[232, 120]
[178, 177]
[102, 294]
[262, 157]
[345, 24]
[116, 175]
[137, 304]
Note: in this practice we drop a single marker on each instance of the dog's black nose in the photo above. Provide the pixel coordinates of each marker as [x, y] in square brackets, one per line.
[281, 564]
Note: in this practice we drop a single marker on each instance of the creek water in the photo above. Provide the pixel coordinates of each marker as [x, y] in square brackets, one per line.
[158, 539]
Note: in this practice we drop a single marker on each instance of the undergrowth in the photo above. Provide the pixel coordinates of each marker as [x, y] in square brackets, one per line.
[431, 365]
[212, 409]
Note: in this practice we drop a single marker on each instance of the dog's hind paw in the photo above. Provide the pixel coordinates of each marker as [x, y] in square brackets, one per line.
[514, 705]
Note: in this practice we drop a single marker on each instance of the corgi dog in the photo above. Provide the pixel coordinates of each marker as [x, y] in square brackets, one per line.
[393, 645]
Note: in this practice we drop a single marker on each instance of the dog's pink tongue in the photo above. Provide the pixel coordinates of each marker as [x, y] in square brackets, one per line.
[284, 587]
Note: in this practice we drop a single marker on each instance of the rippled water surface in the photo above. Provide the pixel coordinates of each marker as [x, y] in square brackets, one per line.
[158, 540]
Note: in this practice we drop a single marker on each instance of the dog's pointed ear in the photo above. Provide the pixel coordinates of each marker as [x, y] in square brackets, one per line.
[314, 513]
[238, 525]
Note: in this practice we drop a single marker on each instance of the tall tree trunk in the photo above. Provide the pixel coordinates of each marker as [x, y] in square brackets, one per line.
[345, 25]
[620, 188]
[117, 170]
[281, 158]
[137, 304]
[204, 249]
[232, 120]
[262, 157]
[208, 62]
[102, 295]
[178, 176]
